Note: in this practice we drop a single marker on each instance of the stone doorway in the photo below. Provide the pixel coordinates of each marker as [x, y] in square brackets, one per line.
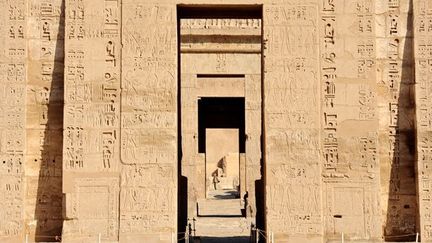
[220, 119]
[221, 137]
[222, 164]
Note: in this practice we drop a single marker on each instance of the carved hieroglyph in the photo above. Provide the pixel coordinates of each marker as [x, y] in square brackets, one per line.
[423, 62]
[13, 66]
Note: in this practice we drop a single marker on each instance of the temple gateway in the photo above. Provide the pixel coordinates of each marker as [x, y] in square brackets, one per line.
[159, 121]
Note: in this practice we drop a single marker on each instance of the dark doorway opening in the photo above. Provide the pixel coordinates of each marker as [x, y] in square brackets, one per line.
[221, 138]
[231, 11]
[221, 113]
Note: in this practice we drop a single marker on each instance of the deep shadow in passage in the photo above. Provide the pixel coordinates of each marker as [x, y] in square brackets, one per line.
[211, 11]
[226, 112]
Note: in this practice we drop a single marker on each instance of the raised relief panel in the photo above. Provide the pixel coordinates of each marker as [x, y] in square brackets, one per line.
[146, 209]
[139, 147]
[351, 213]
[350, 209]
[146, 195]
[148, 139]
[95, 203]
[291, 57]
[295, 207]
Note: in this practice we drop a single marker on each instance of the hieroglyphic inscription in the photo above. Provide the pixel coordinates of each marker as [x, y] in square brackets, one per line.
[77, 93]
[44, 119]
[349, 158]
[13, 54]
[110, 87]
[149, 130]
[423, 62]
[290, 32]
[93, 92]
[329, 76]
[92, 114]
[220, 24]
[396, 80]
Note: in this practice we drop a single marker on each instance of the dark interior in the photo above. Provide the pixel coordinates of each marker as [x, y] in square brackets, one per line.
[221, 113]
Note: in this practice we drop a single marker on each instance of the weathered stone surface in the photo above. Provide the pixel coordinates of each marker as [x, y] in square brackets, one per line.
[423, 59]
[106, 104]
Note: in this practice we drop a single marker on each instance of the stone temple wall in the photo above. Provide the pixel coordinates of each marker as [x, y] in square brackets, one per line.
[13, 66]
[423, 72]
[89, 130]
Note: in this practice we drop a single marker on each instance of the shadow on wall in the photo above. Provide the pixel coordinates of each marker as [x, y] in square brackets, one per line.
[182, 183]
[48, 211]
[260, 208]
[402, 203]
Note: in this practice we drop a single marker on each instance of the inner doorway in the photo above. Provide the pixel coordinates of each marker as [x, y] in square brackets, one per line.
[221, 128]
[222, 164]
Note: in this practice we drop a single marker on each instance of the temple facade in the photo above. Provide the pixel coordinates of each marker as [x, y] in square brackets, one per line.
[130, 120]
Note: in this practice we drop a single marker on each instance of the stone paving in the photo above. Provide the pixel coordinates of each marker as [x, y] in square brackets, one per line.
[220, 220]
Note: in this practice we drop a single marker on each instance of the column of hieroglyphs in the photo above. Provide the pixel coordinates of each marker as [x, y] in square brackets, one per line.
[292, 123]
[349, 120]
[43, 167]
[396, 112]
[13, 53]
[423, 67]
[91, 121]
[149, 122]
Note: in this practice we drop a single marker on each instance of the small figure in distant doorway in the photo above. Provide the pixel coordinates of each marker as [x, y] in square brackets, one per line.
[245, 200]
[215, 179]
[245, 204]
[222, 165]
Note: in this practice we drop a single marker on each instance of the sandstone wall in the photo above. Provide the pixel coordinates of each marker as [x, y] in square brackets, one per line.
[148, 203]
[396, 111]
[44, 122]
[91, 137]
[292, 121]
[423, 61]
[339, 113]
[13, 76]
